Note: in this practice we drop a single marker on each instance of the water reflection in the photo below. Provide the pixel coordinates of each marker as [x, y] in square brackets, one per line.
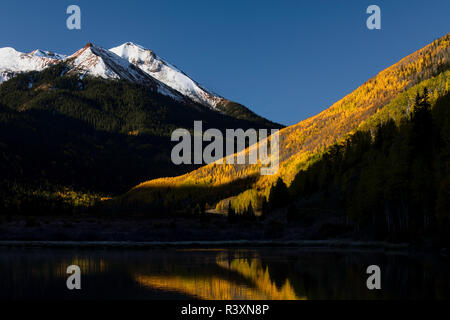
[252, 274]
[255, 284]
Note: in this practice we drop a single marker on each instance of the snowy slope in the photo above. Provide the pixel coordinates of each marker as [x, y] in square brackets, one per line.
[48, 54]
[13, 62]
[128, 61]
[159, 69]
[98, 62]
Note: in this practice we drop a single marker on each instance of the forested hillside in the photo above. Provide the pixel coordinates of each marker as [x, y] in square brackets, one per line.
[74, 140]
[394, 181]
[389, 95]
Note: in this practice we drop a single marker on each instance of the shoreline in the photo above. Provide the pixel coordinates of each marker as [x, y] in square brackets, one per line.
[301, 244]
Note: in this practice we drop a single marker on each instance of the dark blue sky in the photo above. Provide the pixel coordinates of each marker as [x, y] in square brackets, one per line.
[286, 60]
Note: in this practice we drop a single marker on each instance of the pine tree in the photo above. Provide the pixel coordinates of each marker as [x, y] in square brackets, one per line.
[231, 215]
[250, 213]
[279, 195]
[264, 209]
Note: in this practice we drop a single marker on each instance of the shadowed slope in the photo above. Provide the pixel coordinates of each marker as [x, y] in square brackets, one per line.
[298, 143]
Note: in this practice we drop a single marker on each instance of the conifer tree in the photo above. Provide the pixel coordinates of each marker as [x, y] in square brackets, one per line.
[264, 209]
[231, 215]
[279, 195]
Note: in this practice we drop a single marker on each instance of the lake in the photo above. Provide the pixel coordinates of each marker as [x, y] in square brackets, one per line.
[253, 273]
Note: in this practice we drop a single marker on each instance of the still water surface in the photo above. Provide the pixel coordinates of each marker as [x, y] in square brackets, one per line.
[271, 273]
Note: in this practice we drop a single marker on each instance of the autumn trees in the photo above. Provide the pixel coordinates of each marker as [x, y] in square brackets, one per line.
[394, 182]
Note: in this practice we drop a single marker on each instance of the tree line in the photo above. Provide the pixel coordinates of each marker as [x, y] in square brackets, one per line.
[392, 181]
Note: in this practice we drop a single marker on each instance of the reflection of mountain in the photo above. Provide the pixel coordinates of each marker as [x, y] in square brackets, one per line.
[258, 284]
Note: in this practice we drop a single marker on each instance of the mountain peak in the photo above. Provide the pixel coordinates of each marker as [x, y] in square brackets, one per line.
[132, 44]
[129, 61]
[13, 62]
[6, 50]
[146, 60]
[98, 62]
[47, 54]
[134, 53]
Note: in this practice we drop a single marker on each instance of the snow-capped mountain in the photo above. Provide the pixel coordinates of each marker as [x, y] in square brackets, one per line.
[132, 63]
[98, 62]
[128, 61]
[48, 54]
[165, 72]
[90, 60]
[13, 62]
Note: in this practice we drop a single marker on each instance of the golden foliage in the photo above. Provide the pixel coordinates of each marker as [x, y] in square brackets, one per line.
[214, 287]
[301, 143]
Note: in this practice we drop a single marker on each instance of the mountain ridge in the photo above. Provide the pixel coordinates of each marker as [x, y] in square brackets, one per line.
[300, 142]
[61, 121]
[98, 62]
[13, 62]
[167, 73]
[143, 67]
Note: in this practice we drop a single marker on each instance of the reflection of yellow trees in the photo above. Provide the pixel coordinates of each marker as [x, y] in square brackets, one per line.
[260, 277]
[87, 266]
[49, 269]
[207, 287]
